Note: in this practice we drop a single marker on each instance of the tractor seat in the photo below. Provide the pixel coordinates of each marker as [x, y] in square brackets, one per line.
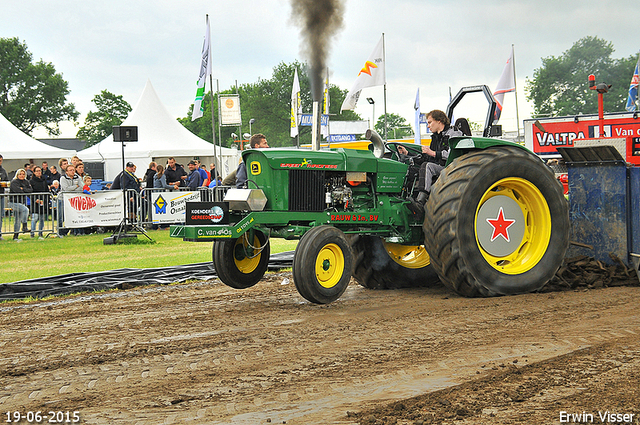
[463, 125]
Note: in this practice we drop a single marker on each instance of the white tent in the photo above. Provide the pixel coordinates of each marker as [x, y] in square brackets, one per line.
[18, 148]
[160, 136]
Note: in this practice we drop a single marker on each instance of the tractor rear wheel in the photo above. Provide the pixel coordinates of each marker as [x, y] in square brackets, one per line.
[496, 223]
[240, 264]
[322, 265]
[382, 265]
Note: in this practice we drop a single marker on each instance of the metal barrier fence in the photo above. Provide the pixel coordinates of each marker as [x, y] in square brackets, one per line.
[33, 214]
[41, 214]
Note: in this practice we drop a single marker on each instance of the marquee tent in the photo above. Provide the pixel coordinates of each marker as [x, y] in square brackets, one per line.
[18, 148]
[160, 136]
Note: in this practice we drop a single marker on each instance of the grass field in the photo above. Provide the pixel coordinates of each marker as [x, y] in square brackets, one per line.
[35, 258]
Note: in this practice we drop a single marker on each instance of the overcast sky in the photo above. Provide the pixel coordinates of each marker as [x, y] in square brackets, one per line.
[118, 45]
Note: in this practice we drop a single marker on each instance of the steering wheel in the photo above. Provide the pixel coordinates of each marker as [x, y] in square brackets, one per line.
[412, 149]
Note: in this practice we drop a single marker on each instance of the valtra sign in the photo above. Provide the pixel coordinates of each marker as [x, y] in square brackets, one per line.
[551, 133]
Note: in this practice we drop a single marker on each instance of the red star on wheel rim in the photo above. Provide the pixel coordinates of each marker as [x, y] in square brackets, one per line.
[500, 226]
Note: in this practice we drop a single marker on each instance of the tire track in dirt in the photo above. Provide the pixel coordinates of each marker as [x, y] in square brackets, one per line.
[205, 353]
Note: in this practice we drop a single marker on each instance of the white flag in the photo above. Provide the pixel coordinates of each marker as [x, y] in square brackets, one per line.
[506, 84]
[205, 71]
[372, 74]
[416, 106]
[296, 105]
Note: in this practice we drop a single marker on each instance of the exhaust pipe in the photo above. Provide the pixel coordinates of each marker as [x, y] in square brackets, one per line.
[378, 143]
[315, 127]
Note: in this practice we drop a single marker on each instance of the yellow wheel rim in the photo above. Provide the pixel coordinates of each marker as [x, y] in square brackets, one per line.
[411, 257]
[244, 263]
[530, 248]
[329, 265]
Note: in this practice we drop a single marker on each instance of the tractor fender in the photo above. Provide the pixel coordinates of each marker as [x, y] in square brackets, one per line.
[465, 144]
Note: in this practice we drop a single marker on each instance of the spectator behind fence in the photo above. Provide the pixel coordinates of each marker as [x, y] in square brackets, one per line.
[131, 182]
[62, 166]
[148, 175]
[206, 181]
[27, 169]
[55, 175]
[130, 179]
[46, 173]
[4, 177]
[20, 186]
[55, 187]
[216, 182]
[87, 185]
[80, 170]
[39, 201]
[213, 171]
[117, 181]
[175, 173]
[193, 179]
[54, 190]
[160, 179]
[75, 160]
[160, 182]
[69, 183]
[204, 176]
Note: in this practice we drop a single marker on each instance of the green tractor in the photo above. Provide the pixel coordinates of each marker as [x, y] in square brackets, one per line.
[496, 222]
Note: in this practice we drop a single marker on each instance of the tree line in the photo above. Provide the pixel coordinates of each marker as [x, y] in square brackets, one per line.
[33, 94]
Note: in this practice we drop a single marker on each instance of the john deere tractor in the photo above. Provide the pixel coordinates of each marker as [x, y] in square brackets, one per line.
[496, 222]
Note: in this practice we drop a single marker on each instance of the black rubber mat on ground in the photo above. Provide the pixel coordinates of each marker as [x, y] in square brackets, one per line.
[121, 278]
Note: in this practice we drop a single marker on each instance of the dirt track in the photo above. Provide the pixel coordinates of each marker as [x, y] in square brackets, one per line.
[204, 353]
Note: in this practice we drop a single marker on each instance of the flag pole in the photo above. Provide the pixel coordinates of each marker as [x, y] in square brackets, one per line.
[216, 159]
[384, 60]
[632, 99]
[219, 121]
[417, 138]
[635, 102]
[513, 54]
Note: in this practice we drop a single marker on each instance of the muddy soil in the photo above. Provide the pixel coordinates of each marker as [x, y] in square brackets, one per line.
[203, 353]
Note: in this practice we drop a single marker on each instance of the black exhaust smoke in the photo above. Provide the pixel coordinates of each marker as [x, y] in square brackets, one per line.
[319, 21]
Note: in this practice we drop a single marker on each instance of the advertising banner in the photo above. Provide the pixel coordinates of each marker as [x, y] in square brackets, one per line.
[230, 110]
[342, 138]
[306, 120]
[561, 132]
[104, 208]
[170, 207]
[207, 213]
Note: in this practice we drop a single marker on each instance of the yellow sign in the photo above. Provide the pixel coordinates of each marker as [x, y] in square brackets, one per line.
[255, 168]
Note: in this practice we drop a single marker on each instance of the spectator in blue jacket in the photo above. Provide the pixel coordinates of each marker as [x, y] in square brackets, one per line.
[193, 178]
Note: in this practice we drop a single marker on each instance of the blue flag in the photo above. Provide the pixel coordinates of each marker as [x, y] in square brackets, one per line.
[633, 90]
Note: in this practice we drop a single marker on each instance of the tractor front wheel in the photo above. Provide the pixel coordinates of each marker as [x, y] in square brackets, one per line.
[241, 263]
[322, 265]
